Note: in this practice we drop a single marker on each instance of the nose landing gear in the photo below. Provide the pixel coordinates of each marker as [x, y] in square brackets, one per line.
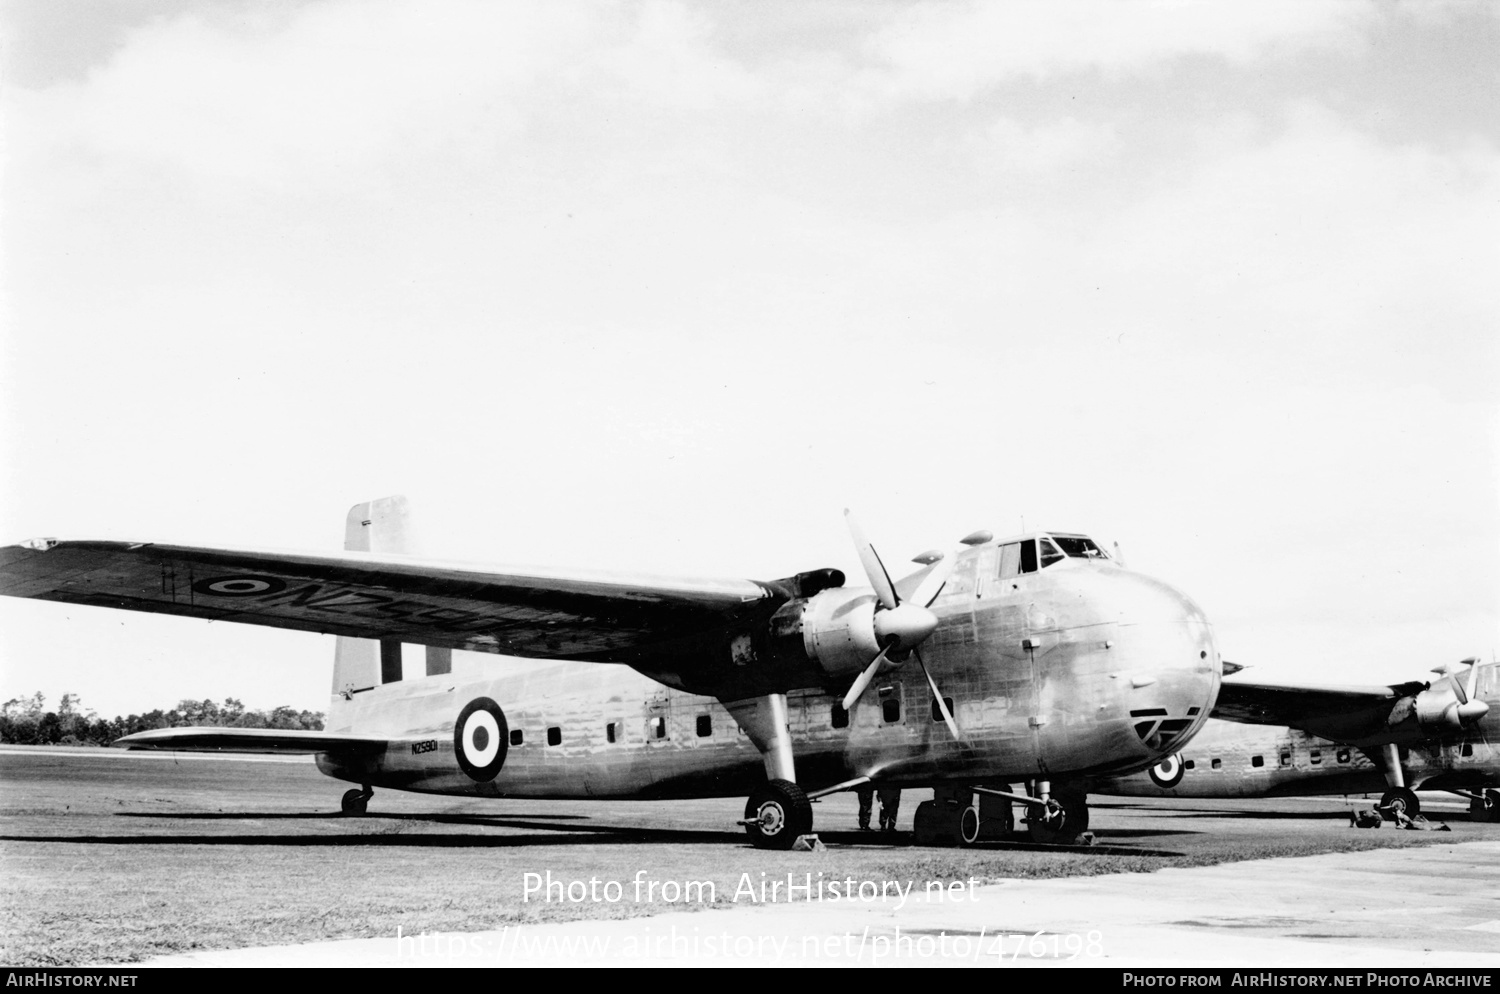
[1061, 821]
[354, 802]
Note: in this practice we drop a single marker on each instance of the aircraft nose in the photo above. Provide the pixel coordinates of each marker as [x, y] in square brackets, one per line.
[1168, 661]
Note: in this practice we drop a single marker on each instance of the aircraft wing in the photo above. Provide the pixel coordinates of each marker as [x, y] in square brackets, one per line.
[1341, 713]
[532, 612]
[256, 740]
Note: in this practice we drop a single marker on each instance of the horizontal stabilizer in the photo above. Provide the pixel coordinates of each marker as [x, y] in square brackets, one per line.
[257, 740]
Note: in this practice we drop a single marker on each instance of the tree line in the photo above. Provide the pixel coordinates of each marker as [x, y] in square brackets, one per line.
[26, 720]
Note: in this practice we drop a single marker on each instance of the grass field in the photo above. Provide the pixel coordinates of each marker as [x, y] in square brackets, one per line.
[111, 857]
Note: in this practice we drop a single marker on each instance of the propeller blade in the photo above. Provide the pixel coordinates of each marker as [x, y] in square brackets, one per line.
[932, 583]
[1473, 680]
[885, 590]
[937, 695]
[863, 680]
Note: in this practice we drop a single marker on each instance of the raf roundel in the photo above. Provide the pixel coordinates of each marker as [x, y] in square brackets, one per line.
[480, 739]
[244, 585]
[1167, 773]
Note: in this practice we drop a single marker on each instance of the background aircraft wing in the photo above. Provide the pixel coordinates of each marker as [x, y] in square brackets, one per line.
[1341, 713]
[520, 612]
[257, 740]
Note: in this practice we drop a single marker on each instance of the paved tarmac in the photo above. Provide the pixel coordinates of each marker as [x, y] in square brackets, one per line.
[1433, 906]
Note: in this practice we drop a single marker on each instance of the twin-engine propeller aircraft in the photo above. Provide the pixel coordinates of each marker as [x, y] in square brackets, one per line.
[1033, 663]
[1343, 740]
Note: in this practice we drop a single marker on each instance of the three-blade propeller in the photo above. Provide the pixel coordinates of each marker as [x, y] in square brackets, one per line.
[900, 626]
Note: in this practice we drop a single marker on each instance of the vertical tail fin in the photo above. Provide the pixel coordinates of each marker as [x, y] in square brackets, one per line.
[378, 526]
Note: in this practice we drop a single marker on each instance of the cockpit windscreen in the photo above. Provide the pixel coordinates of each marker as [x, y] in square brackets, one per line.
[1079, 546]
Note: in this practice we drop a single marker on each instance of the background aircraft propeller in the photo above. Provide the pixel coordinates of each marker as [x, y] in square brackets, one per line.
[900, 626]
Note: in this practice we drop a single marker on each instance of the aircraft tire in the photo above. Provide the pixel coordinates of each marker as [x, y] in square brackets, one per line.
[354, 802]
[1486, 808]
[1399, 799]
[968, 827]
[777, 814]
[934, 824]
[1067, 819]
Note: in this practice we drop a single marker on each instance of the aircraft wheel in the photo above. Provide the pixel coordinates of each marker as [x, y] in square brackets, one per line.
[927, 825]
[354, 802]
[935, 824]
[968, 827]
[1065, 818]
[1399, 800]
[1486, 808]
[777, 814]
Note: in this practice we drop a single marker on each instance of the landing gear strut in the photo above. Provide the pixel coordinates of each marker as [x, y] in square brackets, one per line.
[777, 814]
[355, 801]
[779, 811]
[1398, 802]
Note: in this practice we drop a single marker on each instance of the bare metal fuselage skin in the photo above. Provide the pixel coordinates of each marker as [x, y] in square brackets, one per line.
[1230, 760]
[1077, 670]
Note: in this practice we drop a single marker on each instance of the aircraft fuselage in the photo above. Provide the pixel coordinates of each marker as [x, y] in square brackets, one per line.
[1079, 669]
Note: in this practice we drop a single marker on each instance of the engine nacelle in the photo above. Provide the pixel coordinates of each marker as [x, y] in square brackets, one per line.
[1437, 711]
[838, 631]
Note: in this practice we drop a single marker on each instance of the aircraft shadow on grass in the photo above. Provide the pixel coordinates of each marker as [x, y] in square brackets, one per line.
[326, 815]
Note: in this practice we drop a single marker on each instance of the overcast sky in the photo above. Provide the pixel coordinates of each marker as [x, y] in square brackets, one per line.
[666, 286]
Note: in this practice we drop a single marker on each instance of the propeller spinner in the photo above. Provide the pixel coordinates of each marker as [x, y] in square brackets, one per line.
[900, 626]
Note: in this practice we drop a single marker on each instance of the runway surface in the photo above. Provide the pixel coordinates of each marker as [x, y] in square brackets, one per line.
[111, 857]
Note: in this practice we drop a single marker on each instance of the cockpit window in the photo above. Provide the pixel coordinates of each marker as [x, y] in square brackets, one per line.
[1050, 553]
[1079, 547]
[1010, 560]
[1028, 556]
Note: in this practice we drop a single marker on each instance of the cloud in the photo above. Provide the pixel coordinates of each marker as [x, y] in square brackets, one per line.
[959, 50]
[327, 91]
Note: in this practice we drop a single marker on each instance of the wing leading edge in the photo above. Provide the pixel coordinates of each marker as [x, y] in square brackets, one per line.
[521, 612]
[1344, 714]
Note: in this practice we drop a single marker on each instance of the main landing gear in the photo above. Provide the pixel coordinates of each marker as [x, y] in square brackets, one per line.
[355, 801]
[777, 814]
[1485, 806]
[966, 816]
[1398, 803]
